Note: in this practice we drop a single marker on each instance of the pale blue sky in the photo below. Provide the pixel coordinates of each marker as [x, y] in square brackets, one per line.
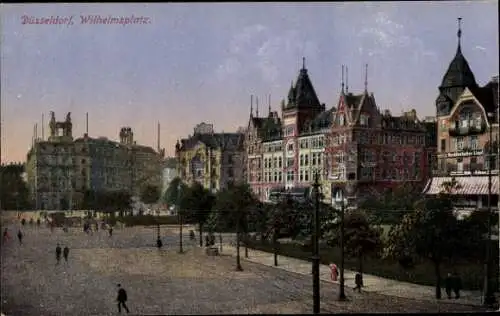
[201, 62]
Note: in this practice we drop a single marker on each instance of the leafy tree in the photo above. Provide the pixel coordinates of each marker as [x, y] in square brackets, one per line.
[14, 193]
[172, 194]
[197, 202]
[233, 204]
[431, 232]
[360, 238]
[150, 194]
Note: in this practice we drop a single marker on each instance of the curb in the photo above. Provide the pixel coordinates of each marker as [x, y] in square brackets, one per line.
[351, 286]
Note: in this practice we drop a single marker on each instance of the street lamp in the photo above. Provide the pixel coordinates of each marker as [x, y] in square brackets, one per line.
[315, 242]
[180, 216]
[340, 198]
[489, 298]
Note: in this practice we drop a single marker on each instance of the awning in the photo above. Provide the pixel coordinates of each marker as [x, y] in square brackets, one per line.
[473, 185]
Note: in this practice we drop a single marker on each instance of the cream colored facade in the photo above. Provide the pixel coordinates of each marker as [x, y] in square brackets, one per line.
[211, 159]
[60, 170]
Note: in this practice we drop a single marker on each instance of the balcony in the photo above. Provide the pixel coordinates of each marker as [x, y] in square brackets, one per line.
[471, 129]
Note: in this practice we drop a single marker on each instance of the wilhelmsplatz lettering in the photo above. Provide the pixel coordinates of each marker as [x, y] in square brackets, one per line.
[85, 19]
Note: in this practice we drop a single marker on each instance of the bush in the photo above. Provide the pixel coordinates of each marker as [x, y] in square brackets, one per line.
[149, 220]
[421, 273]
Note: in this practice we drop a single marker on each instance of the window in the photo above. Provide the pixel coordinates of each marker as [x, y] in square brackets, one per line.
[301, 175]
[314, 159]
[289, 130]
[306, 175]
[280, 176]
[306, 160]
[474, 142]
[443, 144]
[289, 162]
[443, 125]
[341, 120]
[290, 147]
[289, 176]
[275, 162]
[280, 162]
[275, 176]
[319, 159]
[230, 172]
[363, 120]
[301, 160]
[460, 143]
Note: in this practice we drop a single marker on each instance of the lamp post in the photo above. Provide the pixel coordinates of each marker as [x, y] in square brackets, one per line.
[315, 242]
[238, 224]
[180, 216]
[489, 298]
[341, 199]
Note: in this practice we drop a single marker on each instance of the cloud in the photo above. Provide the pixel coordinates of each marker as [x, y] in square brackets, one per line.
[258, 50]
[481, 48]
[382, 34]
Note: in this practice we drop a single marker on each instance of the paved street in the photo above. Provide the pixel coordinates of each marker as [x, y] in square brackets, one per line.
[161, 281]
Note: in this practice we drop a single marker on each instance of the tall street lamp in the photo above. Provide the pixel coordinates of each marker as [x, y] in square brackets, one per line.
[238, 224]
[315, 242]
[489, 297]
[179, 216]
[340, 199]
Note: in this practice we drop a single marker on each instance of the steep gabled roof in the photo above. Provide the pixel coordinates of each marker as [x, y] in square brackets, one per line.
[302, 95]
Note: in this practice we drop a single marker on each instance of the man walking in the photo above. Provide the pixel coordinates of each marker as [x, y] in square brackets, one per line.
[110, 230]
[358, 279]
[20, 236]
[122, 298]
[66, 253]
[58, 253]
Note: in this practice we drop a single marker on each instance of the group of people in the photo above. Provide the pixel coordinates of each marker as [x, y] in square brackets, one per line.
[87, 228]
[6, 236]
[65, 253]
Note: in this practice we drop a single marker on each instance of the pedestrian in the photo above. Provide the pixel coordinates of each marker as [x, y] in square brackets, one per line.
[66, 253]
[358, 280]
[23, 222]
[110, 230]
[20, 236]
[122, 298]
[457, 284]
[6, 235]
[38, 222]
[448, 282]
[58, 253]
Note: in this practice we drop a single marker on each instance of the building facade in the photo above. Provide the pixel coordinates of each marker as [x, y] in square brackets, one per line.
[467, 134]
[60, 169]
[352, 147]
[211, 159]
[371, 151]
[169, 173]
[284, 152]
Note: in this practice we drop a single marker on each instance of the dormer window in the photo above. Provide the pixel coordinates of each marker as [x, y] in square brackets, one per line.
[341, 120]
[363, 120]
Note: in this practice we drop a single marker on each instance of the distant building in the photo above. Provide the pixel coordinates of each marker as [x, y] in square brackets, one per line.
[212, 159]
[169, 173]
[466, 114]
[60, 170]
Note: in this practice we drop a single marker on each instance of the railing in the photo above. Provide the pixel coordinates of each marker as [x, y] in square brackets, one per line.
[469, 130]
[449, 173]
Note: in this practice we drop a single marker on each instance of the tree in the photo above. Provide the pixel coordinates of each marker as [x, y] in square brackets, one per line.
[198, 202]
[360, 238]
[431, 233]
[233, 204]
[14, 193]
[172, 193]
[150, 194]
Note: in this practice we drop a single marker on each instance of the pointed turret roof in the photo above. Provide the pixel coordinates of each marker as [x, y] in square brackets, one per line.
[459, 73]
[302, 94]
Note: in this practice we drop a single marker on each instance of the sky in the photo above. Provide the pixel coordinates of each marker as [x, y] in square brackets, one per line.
[192, 63]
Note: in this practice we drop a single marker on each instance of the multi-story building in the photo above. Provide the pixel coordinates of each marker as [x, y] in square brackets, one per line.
[283, 153]
[212, 159]
[370, 151]
[169, 173]
[61, 169]
[467, 134]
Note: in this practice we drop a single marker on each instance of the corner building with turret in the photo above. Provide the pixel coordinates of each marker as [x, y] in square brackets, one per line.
[352, 147]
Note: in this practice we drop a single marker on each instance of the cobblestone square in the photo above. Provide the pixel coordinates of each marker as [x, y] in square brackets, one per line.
[160, 281]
